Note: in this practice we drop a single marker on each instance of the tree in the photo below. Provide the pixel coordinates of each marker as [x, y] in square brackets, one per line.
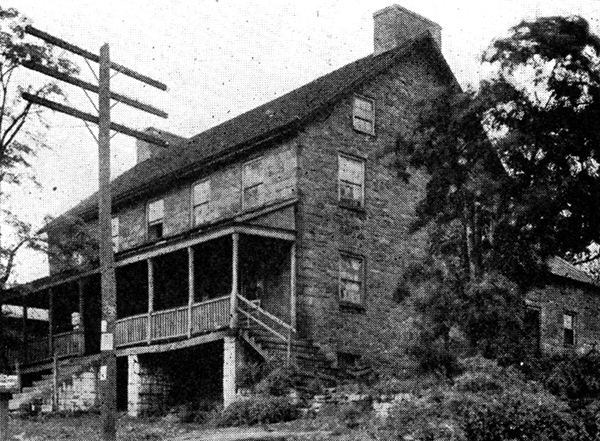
[21, 134]
[20, 127]
[514, 169]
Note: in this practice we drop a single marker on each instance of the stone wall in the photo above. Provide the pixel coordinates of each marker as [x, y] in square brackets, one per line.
[280, 171]
[148, 385]
[379, 232]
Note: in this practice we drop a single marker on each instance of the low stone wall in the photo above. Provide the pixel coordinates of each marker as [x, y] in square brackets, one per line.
[148, 386]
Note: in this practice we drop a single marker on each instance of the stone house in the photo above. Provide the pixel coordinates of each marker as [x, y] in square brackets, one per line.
[283, 231]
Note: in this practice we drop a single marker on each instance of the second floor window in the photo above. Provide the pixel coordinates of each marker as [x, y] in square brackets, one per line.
[351, 282]
[351, 181]
[252, 182]
[156, 210]
[115, 233]
[568, 329]
[200, 201]
[363, 115]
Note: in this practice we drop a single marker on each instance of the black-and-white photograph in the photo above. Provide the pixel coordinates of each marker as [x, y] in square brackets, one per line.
[346, 220]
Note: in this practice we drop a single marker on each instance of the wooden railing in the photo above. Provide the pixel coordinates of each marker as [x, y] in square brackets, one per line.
[254, 314]
[65, 344]
[210, 315]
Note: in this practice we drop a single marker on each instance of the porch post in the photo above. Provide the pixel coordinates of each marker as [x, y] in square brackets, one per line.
[234, 281]
[292, 300]
[81, 330]
[150, 299]
[50, 322]
[24, 334]
[191, 288]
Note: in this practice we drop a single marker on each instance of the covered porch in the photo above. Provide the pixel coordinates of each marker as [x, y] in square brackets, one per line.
[237, 277]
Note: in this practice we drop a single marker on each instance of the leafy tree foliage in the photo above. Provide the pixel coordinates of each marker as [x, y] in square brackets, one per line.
[21, 127]
[514, 169]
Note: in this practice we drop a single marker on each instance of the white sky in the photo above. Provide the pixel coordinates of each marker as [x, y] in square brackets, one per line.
[222, 57]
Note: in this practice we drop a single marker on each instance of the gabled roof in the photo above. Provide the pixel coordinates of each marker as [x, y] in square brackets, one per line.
[562, 268]
[282, 115]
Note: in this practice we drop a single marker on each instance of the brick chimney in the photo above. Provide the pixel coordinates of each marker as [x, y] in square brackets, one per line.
[394, 25]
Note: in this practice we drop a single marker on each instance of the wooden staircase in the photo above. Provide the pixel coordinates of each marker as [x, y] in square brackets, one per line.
[272, 338]
[41, 390]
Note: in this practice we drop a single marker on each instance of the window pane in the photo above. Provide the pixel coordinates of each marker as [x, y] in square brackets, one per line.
[156, 211]
[363, 125]
[363, 104]
[568, 321]
[200, 213]
[350, 292]
[201, 192]
[350, 268]
[351, 170]
[252, 195]
[253, 173]
[115, 226]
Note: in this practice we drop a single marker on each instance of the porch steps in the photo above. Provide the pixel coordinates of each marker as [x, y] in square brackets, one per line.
[41, 390]
[312, 364]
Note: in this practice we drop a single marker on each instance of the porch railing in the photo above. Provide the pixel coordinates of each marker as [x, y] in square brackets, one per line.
[65, 344]
[207, 316]
[255, 315]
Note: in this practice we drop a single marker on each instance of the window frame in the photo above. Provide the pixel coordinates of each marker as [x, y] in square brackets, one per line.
[356, 116]
[258, 185]
[193, 204]
[363, 282]
[344, 202]
[150, 224]
[116, 242]
[572, 329]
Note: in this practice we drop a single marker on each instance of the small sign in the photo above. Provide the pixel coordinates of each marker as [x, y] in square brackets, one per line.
[103, 326]
[103, 373]
[8, 383]
[107, 341]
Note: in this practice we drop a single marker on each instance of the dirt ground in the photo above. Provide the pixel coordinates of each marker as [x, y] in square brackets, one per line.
[87, 427]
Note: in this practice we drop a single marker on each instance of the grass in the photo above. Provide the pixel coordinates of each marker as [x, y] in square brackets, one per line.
[88, 428]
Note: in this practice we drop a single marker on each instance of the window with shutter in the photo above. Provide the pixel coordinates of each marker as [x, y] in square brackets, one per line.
[351, 177]
[252, 183]
[201, 201]
[156, 211]
[351, 282]
[363, 115]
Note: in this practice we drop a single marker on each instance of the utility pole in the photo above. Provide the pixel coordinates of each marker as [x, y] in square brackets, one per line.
[108, 369]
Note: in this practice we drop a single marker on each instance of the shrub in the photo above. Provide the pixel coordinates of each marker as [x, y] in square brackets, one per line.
[520, 416]
[278, 382]
[575, 378]
[258, 409]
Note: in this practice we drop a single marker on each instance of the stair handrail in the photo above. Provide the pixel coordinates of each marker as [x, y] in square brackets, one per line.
[266, 313]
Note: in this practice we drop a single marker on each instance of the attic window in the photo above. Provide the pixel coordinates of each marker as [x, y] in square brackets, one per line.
[363, 115]
[156, 211]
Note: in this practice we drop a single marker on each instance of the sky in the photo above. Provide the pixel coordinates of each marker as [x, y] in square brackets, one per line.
[220, 58]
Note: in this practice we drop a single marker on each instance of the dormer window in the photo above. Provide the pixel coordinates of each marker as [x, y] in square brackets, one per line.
[156, 210]
[363, 115]
[200, 201]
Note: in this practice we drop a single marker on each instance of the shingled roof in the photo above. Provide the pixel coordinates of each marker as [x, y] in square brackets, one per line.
[282, 115]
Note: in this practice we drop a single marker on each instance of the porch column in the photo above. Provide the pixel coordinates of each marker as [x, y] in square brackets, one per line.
[150, 299]
[231, 359]
[81, 330]
[191, 288]
[292, 300]
[50, 322]
[24, 335]
[234, 281]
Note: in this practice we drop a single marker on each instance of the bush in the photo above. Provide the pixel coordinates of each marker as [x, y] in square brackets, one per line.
[278, 382]
[576, 379]
[521, 416]
[258, 409]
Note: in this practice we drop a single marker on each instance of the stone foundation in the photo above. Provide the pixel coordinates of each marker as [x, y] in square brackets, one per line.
[148, 386]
